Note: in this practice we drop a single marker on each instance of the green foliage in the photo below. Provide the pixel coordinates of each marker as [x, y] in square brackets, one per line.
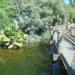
[70, 12]
[32, 17]
[38, 15]
[8, 29]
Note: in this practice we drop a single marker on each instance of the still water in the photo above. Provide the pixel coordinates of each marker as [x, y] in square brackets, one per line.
[25, 61]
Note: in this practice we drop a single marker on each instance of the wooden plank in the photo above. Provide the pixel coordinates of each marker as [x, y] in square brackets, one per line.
[72, 31]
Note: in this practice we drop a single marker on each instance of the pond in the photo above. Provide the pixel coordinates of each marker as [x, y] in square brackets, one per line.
[26, 61]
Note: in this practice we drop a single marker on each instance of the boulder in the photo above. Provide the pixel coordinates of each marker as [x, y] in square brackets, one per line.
[18, 44]
[10, 47]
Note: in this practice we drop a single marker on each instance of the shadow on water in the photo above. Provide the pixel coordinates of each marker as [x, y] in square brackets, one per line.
[57, 68]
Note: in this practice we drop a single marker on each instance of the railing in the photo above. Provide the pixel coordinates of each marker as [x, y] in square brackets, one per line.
[67, 53]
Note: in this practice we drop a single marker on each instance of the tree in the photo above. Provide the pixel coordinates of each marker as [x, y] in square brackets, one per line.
[33, 15]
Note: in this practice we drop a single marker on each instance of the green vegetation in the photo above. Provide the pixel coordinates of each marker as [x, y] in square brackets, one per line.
[70, 11]
[20, 19]
[10, 34]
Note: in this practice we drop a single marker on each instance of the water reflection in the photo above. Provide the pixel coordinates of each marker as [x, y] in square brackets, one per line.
[26, 61]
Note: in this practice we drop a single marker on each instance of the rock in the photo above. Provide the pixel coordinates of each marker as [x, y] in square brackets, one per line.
[6, 39]
[7, 44]
[10, 47]
[18, 44]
